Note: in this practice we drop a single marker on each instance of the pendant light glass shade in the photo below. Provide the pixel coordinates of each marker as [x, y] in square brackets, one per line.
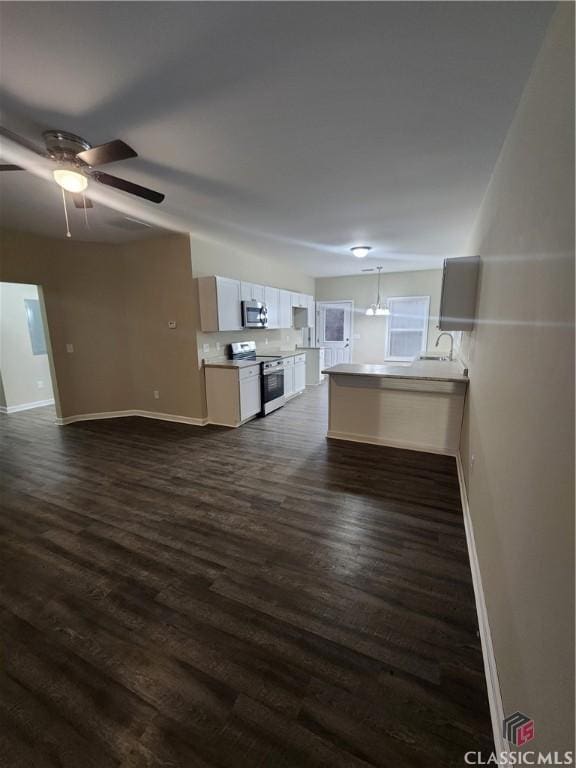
[378, 310]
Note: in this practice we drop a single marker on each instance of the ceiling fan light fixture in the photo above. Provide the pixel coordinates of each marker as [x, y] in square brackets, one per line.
[71, 181]
[360, 251]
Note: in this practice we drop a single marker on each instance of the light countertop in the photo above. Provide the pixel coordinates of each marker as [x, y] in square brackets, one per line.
[223, 363]
[418, 369]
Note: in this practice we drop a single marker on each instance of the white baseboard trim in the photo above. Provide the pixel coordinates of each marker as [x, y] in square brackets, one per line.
[121, 414]
[25, 406]
[356, 438]
[490, 669]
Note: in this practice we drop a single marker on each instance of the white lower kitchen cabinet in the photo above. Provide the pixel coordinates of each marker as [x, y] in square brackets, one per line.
[314, 365]
[299, 373]
[289, 377]
[250, 397]
[233, 393]
[294, 375]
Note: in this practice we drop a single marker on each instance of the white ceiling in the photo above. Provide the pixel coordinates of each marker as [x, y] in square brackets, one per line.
[294, 130]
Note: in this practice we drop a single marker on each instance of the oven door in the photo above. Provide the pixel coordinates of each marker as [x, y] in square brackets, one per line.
[272, 391]
[254, 314]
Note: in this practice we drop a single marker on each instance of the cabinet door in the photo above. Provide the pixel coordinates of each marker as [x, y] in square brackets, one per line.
[252, 292]
[299, 377]
[285, 309]
[312, 317]
[297, 299]
[289, 381]
[250, 400]
[229, 308]
[272, 301]
[458, 297]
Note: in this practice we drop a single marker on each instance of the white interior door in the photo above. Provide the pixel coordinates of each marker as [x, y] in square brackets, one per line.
[335, 331]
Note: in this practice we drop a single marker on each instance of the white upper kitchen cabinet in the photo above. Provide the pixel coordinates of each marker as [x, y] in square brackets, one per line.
[220, 304]
[252, 292]
[272, 301]
[458, 297]
[299, 300]
[285, 320]
[312, 315]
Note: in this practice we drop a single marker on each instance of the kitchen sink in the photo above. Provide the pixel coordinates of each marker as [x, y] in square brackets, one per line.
[434, 357]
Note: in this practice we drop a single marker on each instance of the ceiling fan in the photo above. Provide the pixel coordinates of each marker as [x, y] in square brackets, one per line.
[75, 160]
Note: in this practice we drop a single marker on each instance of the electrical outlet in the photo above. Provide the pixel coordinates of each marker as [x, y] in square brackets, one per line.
[266, 340]
[70, 348]
[217, 346]
[205, 348]
[472, 460]
[156, 395]
[171, 323]
[40, 384]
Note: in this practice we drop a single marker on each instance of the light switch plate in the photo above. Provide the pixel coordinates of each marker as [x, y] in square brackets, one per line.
[171, 323]
[70, 348]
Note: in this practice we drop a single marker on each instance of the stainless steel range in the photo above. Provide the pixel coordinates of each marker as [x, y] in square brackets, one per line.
[272, 370]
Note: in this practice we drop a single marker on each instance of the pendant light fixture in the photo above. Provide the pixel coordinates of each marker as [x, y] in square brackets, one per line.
[378, 309]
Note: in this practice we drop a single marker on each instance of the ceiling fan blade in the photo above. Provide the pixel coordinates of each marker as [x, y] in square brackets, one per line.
[10, 167]
[79, 201]
[22, 141]
[107, 153]
[127, 186]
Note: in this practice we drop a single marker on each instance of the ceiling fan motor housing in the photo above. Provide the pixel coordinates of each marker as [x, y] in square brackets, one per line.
[64, 147]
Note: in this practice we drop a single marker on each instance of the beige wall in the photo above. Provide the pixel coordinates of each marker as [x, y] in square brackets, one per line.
[25, 376]
[83, 293]
[519, 421]
[160, 289]
[362, 289]
[214, 259]
[113, 303]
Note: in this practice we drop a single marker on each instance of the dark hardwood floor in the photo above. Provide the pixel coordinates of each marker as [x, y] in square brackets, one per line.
[187, 597]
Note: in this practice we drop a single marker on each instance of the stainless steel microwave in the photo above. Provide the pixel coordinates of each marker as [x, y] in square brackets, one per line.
[254, 314]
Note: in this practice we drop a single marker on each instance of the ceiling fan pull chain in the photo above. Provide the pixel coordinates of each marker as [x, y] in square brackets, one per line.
[85, 211]
[68, 234]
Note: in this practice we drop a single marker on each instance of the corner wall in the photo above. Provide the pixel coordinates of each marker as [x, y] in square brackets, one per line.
[83, 286]
[517, 445]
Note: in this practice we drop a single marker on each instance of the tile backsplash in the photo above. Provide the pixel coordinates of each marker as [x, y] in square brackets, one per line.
[285, 338]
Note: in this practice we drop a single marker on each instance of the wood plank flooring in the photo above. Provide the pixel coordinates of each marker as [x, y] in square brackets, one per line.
[191, 597]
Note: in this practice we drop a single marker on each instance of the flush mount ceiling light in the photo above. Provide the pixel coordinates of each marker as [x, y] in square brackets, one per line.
[378, 309]
[360, 251]
[70, 180]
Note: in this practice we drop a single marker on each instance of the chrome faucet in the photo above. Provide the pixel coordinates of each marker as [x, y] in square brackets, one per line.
[451, 357]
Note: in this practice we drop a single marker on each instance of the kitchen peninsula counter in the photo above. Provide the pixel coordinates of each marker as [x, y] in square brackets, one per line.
[416, 405]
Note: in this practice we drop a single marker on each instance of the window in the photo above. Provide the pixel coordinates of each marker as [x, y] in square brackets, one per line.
[407, 328]
[334, 324]
[35, 327]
